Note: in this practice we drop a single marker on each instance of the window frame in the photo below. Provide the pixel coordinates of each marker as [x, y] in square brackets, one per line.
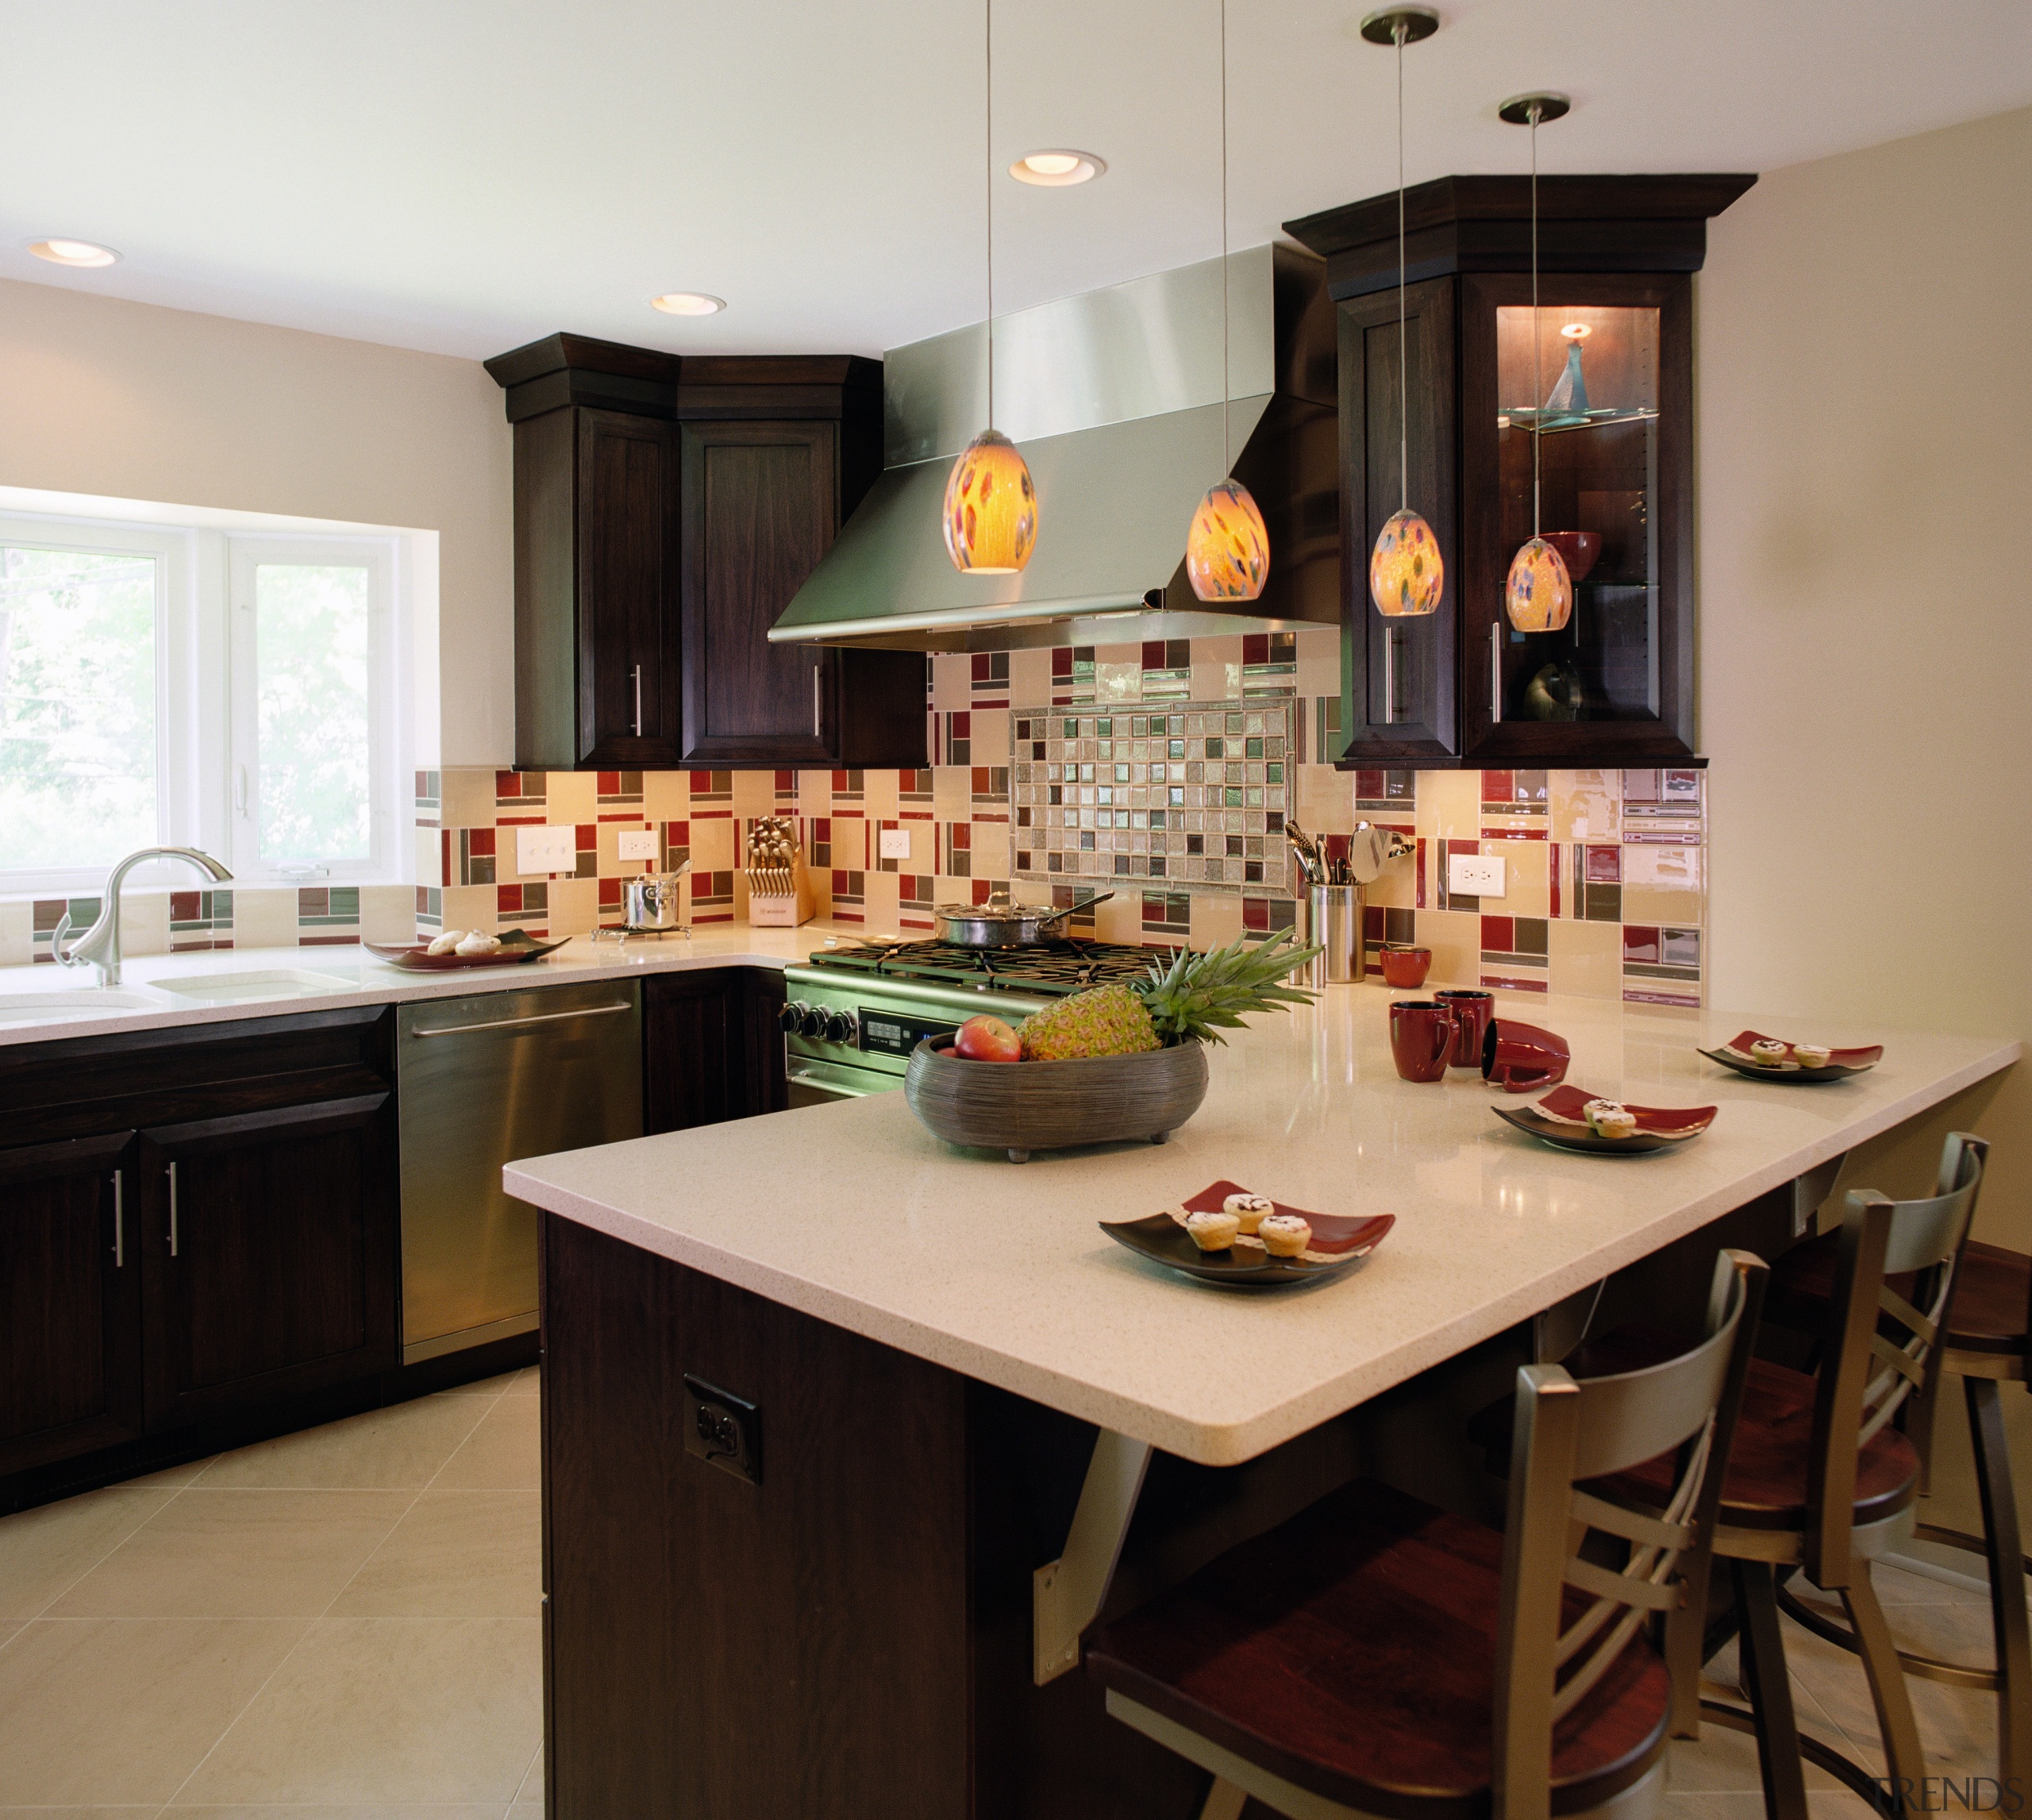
[206, 706]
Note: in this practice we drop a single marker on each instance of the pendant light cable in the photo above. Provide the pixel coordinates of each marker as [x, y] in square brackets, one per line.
[988, 165]
[1225, 443]
[1537, 376]
[1403, 371]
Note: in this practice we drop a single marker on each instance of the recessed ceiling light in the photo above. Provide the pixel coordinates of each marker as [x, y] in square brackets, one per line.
[72, 252]
[1056, 168]
[688, 303]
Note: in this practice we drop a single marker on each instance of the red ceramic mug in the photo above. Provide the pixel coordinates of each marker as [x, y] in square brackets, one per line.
[1521, 1057]
[1405, 965]
[1421, 1037]
[1472, 1011]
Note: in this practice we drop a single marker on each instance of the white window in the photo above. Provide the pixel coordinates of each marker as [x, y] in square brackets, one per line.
[187, 686]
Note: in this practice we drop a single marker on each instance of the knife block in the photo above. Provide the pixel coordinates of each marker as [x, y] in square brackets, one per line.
[780, 897]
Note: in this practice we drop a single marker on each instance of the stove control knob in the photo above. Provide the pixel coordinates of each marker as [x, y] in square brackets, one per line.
[791, 1018]
[839, 1028]
[811, 1020]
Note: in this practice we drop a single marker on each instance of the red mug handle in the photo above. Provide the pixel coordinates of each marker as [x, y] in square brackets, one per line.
[1443, 1030]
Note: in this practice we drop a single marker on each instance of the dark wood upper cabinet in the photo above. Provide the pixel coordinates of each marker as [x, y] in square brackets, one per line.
[1486, 381]
[666, 511]
[70, 1300]
[268, 1245]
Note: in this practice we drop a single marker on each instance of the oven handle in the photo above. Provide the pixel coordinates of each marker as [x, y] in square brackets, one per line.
[835, 1082]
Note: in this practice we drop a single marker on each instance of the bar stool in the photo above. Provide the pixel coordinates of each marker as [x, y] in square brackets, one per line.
[1377, 1655]
[1989, 1342]
[1819, 1480]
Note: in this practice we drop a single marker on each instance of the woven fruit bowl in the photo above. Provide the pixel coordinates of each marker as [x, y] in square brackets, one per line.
[1023, 1107]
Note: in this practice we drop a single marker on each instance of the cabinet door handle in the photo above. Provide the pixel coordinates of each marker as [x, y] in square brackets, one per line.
[1389, 673]
[638, 701]
[513, 1024]
[119, 1222]
[172, 1210]
[1495, 673]
[816, 731]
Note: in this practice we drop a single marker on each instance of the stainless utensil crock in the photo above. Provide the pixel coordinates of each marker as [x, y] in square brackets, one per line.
[1333, 915]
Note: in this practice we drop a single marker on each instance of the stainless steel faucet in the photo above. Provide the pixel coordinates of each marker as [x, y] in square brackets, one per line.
[99, 946]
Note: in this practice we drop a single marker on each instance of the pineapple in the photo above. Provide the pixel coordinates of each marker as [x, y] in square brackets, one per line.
[1199, 991]
[1181, 1002]
[1102, 1021]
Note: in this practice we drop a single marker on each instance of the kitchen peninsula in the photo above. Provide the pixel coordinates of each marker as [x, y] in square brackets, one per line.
[821, 1393]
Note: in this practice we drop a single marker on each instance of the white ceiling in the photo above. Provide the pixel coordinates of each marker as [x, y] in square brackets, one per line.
[465, 176]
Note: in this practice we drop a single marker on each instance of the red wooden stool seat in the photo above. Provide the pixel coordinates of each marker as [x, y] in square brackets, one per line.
[1352, 1652]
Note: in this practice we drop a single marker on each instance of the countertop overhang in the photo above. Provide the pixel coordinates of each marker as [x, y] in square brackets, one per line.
[853, 1212]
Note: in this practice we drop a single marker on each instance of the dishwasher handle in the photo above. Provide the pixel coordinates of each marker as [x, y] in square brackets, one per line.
[523, 1023]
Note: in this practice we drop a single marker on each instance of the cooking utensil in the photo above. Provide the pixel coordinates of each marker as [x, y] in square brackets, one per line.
[649, 904]
[1305, 851]
[1002, 922]
[1369, 849]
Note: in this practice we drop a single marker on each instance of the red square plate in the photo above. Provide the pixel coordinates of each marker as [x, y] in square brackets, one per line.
[1337, 1240]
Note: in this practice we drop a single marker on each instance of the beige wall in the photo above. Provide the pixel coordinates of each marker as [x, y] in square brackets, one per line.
[126, 399]
[1865, 518]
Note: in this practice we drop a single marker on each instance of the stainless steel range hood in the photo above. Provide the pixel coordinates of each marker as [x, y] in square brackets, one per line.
[1115, 398]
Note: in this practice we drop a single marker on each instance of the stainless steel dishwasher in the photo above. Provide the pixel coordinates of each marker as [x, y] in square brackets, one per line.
[480, 1081]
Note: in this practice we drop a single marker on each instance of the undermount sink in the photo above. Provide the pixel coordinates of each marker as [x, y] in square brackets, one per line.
[237, 988]
[17, 1008]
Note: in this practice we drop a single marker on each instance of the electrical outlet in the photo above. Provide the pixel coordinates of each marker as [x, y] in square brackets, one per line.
[1474, 874]
[723, 1429]
[895, 844]
[637, 844]
[539, 851]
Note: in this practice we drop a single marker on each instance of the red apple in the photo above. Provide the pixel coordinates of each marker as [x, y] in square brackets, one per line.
[987, 1040]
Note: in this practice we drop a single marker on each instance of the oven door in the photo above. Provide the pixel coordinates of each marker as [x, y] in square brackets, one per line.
[815, 1083]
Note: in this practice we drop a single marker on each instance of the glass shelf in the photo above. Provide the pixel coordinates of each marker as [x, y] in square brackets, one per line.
[1557, 422]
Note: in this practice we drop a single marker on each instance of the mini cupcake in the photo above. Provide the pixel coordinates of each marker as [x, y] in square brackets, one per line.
[1213, 1232]
[1770, 1053]
[1284, 1235]
[1608, 1118]
[1249, 1209]
[1812, 1055]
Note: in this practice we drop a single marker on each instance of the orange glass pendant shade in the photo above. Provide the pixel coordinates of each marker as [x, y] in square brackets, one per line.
[1406, 576]
[1227, 551]
[1539, 594]
[991, 508]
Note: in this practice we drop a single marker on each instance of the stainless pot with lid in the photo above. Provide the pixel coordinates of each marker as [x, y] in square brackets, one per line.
[1002, 922]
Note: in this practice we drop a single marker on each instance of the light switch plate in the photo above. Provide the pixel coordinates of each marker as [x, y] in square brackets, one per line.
[637, 844]
[895, 844]
[539, 850]
[1475, 875]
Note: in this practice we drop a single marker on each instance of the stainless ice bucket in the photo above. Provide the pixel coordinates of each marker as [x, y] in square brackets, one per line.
[652, 903]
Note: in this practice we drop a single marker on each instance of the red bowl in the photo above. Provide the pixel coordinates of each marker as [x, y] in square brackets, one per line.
[1405, 967]
[1577, 549]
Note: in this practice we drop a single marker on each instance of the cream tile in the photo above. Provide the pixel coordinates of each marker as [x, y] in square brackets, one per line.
[43, 1551]
[16, 933]
[144, 922]
[211, 1553]
[471, 907]
[666, 795]
[1527, 879]
[1586, 958]
[381, 1450]
[500, 1455]
[574, 907]
[1455, 938]
[387, 1711]
[467, 799]
[264, 918]
[571, 796]
[1585, 805]
[1030, 679]
[455, 1554]
[1449, 806]
[1325, 800]
[387, 913]
[122, 1710]
[1654, 904]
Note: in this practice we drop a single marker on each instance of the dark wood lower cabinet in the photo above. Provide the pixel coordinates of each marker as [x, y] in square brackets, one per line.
[711, 1047]
[70, 1300]
[270, 1242]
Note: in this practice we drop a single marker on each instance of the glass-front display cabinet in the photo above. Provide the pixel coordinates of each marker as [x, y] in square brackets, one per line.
[1572, 422]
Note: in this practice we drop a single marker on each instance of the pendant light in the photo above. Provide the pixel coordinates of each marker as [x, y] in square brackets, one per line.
[1538, 593]
[1405, 575]
[990, 505]
[1227, 548]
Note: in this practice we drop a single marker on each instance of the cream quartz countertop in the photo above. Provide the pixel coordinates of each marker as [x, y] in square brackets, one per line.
[364, 980]
[852, 1212]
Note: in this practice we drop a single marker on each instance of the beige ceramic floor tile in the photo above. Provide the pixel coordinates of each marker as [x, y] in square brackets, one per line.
[374, 1810]
[530, 1794]
[122, 1710]
[9, 1626]
[502, 1454]
[1958, 1729]
[1895, 1587]
[172, 1477]
[224, 1553]
[389, 1710]
[455, 1554]
[384, 1449]
[527, 1382]
[42, 1551]
[482, 1386]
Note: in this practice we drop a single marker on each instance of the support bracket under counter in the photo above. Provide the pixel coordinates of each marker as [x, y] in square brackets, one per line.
[1067, 1595]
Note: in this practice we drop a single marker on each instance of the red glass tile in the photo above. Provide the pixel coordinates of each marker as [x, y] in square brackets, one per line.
[1372, 921]
[1061, 660]
[702, 782]
[785, 780]
[963, 836]
[183, 907]
[1604, 865]
[1639, 943]
[480, 842]
[1552, 872]
[507, 898]
[1421, 899]
[1255, 647]
[1154, 655]
[1499, 934]
[608, 783]
[445, 857]
[1369, 786]
[588, 835]
[1256, 913]
[507, 784]
[1496, 786]
[610, 894]
[981, 891]
[982, 672]
[981, 781]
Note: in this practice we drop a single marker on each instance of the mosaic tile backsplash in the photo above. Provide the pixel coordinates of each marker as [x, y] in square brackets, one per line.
[1606, 876]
